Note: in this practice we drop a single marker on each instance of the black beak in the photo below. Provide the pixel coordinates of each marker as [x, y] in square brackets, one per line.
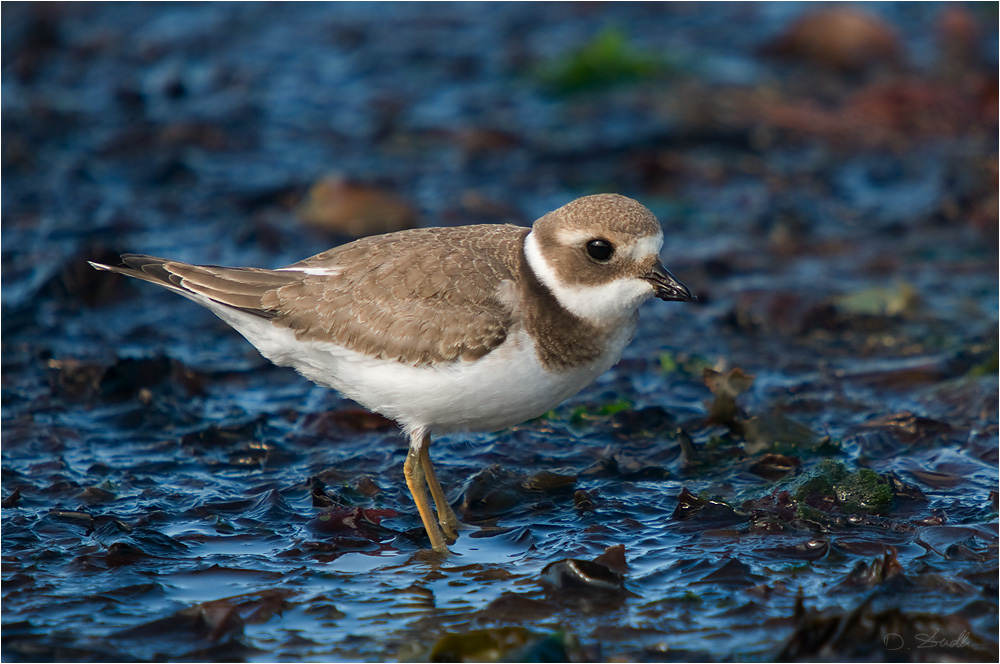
[667, 286]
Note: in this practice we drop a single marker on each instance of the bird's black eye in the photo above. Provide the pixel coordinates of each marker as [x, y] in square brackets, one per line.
[600, 250]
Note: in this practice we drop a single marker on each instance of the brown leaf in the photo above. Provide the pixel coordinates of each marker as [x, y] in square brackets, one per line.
[346, 207]
[12, 500]
[614, 558]
[588, 576]
[731, 573]
[690, 506]
[874, 573]
[725, 389]
[840, 38]
[912, 429]
[774, 466]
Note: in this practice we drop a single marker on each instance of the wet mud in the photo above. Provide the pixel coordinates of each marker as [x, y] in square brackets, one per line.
[802, 466]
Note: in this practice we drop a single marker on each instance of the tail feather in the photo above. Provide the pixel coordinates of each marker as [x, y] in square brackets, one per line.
[235, 287]
[147, 268]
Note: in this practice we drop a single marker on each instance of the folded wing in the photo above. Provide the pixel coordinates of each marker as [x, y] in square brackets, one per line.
[420, 296]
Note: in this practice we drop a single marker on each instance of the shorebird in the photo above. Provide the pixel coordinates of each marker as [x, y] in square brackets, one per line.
[472, 328]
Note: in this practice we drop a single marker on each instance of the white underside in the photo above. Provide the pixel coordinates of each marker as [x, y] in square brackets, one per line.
[501, 389]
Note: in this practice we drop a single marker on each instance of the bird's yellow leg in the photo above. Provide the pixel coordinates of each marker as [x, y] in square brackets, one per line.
[413, 470]
[446, 516]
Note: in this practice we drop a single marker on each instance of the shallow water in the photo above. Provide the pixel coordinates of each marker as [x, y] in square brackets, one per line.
[169, 495]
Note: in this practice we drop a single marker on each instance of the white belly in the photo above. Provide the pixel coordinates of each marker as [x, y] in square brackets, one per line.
[505, 387]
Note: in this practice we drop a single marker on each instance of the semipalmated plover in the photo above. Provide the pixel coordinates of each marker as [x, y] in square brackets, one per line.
[448, 329]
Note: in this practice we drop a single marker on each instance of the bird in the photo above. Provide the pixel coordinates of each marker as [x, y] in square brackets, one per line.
[447, 329]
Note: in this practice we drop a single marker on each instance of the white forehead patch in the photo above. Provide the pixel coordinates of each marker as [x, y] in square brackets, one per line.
[571, 236]
[647, 246]
[612, 301]
[643, 248]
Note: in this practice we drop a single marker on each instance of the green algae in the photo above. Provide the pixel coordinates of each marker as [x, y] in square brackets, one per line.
[607, 60]
[862, 491]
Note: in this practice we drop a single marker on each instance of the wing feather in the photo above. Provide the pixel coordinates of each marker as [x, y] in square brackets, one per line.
[391, 296]
[395, 297]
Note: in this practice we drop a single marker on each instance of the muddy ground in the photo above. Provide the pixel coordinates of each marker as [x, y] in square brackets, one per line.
[803, 466]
